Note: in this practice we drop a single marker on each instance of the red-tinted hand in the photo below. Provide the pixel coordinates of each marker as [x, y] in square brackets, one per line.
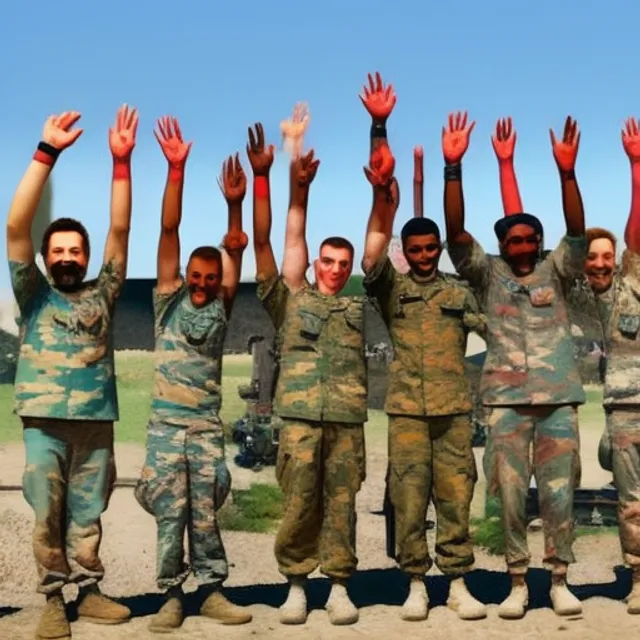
[57, 130]
[455, 139]
[504, 140]
[175, 150]
[631, 140]
[418, 164]
[260, 157]
[377, 99]
[381, 166]
[305, 168]
[122, 137]
[233, 181]
[235, 241]
[566, 151]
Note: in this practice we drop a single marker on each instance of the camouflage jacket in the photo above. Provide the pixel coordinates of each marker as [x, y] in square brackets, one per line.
[530, 358]
[65, 368]
[622, 381]
[188, 352]
[428, 324]
[323, 372]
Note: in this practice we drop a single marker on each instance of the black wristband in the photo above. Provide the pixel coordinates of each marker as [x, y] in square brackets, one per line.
[453, 172]
[45, 147]
[378, 130]
[568, 175]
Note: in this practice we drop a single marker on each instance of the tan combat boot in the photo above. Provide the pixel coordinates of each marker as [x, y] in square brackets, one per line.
[515, 605]
[463, 603]
[170, 616]
[339, 606]
[53, 622]
[97, 608]
[633, 599]
[294, 610]
[563, 601]
[416, 606]
[217, 607]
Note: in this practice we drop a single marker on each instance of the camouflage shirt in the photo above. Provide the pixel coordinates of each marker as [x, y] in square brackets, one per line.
[530, 357]
[622, 381]
[188, 352]
[323, 373]
[428, 324]
[65, 368]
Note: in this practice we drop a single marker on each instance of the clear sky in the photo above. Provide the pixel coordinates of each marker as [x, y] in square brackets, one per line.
[221, 66]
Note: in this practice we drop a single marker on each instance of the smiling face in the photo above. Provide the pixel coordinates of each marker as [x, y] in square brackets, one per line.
[422, 253]
[66, 259]
[520, 249]
[600, 264]
[332, 269]
[204, 279]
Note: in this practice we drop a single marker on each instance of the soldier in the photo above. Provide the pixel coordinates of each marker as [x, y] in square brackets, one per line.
[65, 391]
[185, 479]
[618, 296]
[429, 315]
[530, 384]
[321, 393]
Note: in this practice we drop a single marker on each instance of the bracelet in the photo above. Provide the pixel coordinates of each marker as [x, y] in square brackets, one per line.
[378, 130]
[453, 172]
[568, 175]
[46, 154]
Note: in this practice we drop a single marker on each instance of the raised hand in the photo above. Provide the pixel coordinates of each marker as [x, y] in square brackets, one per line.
[381, 166]
[377, 99]
[58, 132]
[504, 140]
[175, 150]
[260, 157]
[455, 138]
[122, 136]
[566, 151]
[305, 169]
[293, 130]
[233, 181]
[631, 139]
[418, 164]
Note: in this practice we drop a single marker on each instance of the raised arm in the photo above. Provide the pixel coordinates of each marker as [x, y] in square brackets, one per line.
[631, 145]
[296, 253]
[176, 151]
[565, 153]
[234, 188]
[261, 159]
[504, 142]
[57, 135]
[379, 101]
[418, 182]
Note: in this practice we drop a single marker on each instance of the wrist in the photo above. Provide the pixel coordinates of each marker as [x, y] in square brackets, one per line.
[261, 186]
[505, 162]
[567, 175]
[122, 168]
[378, 129]
[176, 172]
[46, 154]
[452, 172]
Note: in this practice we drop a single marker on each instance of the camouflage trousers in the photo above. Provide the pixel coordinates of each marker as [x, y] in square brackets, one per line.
[184, 481]
[68, 480]
[432, 458]
[552, 432]
[320, 468]
[623, 433]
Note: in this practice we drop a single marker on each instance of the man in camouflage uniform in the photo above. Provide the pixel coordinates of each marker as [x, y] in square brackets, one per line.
[185, 479]
[65, 388]
[617, 294]
[321, 395]
[531, 385]
[429, 315]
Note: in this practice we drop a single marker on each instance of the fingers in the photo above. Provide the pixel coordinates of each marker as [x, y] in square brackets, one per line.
[75, 134]
[418, 153]
[471, 127]
[553, 137]
[252, 140]
[134, 124]
[176, 128]
[260, 131]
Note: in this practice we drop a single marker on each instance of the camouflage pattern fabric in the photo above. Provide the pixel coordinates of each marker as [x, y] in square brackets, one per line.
[428, 323]
[432, 457]
[65, 368]
[67, 481]
[184, 482]
[188, 352]
[320, 469]
[323, 372]
[530, 359]
[624, 428]
[553, 433]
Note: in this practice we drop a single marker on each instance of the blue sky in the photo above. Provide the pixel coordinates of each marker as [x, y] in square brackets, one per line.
[220, 66]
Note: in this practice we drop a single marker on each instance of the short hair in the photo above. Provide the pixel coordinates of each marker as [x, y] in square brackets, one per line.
[337, 242]
[597, 233]
[419, 227]
[207, 253]
[62, 225]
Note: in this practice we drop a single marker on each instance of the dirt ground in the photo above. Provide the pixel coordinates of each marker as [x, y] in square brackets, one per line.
[129, 556]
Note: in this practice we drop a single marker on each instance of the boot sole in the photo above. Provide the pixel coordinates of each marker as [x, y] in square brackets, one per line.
[229, 623]
[103, 620]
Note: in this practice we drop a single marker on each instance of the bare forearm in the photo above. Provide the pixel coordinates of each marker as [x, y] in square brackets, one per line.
[453, 202]
[511, 201]
[121, 196]
[632, 230]
[418, 186]
[172, 202]
[572, 204]
[379, 230]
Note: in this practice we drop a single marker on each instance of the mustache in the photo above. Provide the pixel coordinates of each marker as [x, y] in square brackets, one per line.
[67, 274]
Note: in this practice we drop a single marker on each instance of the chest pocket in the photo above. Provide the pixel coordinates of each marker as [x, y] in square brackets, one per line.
[407, 303]
[628, 325]
[201, 328]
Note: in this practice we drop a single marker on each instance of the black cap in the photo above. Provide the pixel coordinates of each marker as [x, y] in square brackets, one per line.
[504, 224]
